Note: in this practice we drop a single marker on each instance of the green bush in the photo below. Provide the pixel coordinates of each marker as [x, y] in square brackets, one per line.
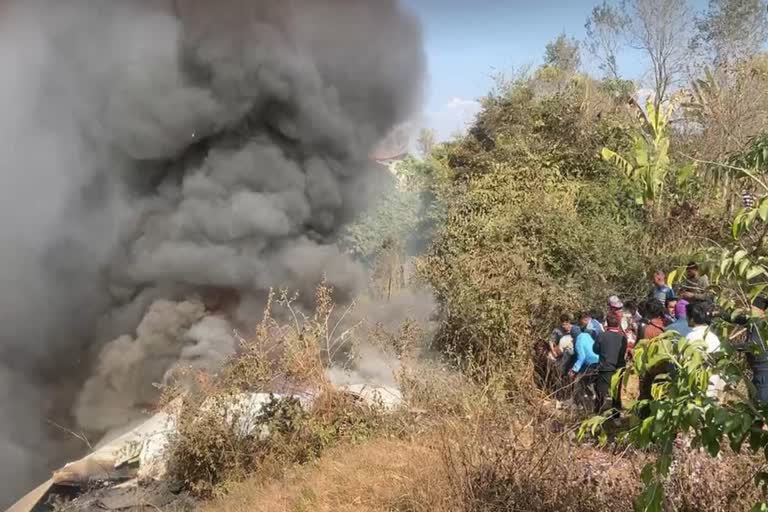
[534, 223]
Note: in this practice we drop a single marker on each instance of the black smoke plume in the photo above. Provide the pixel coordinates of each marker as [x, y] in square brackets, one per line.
[163, 162]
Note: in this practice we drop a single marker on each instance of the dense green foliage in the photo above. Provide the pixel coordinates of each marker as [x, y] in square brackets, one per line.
[534, 222]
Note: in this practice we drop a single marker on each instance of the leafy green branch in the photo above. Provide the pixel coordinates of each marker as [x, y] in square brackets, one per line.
[649, 163]
[684, 410]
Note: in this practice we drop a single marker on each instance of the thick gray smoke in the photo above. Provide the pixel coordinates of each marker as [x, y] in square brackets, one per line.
[156, 154]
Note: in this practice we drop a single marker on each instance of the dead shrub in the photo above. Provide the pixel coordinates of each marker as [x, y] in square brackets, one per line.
[699, 482]
[219, 442]
[484, 457]
[436, 389]
[500, 462]
[213, 446]
[225, 432]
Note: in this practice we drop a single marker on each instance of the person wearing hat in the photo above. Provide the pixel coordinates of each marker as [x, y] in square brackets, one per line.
[627, 321]
[614, 302]
[755, 347]
[616, 309]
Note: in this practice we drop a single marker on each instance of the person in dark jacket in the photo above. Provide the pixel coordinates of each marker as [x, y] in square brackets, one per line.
[610, 347]
[755, 347]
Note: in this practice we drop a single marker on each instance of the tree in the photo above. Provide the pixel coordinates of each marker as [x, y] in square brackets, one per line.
[661, 29]
[648, 164]
[426, 141]
[726, 109]
[732, 30]
[391, 221]
[563, 53]
[605, 27]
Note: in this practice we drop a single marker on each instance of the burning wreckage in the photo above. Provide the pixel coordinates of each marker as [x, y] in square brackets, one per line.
[154, 150]
[128, 470]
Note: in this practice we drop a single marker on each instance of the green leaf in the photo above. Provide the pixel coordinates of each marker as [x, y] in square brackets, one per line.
[618, 160]
[755, 271]
[737, 227]
[616, 381]
[645, 428]
[646, 475]
[742, 268]
[757, 290]
[725, 265]
[663, 464]
[763, 210]
[761, 480]
[651, 499]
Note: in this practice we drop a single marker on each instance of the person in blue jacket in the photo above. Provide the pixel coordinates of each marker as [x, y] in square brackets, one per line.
[680, 326]
[584, 367]
[585, 355]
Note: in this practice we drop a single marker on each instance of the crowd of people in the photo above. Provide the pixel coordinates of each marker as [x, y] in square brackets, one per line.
[589, 349]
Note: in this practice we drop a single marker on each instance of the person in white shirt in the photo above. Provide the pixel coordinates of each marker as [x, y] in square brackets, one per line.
[699, 319]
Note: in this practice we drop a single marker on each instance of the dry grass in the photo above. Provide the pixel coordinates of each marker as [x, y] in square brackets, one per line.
[382, 475]
[489, 462]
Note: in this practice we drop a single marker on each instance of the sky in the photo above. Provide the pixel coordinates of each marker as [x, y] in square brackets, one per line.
[468, 41]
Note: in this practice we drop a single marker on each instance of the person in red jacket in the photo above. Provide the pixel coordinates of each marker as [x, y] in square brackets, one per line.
[654, 312]
[656, 323]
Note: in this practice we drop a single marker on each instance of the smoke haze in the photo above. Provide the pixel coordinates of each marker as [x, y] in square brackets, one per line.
[163, 165]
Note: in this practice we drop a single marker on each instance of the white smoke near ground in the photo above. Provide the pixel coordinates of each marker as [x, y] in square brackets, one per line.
[378, 323]
[373, 366]
[156, 154]
[208, 345]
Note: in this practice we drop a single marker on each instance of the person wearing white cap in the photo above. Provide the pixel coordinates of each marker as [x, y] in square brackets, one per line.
[627, 321]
